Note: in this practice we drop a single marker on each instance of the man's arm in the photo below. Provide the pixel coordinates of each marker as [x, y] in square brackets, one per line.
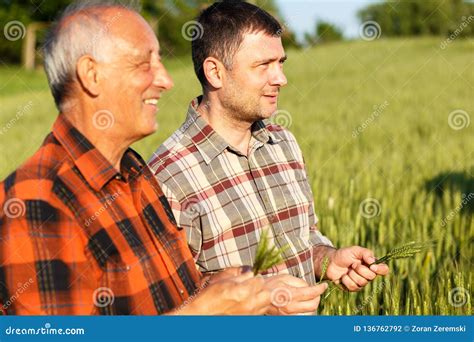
[186, 216]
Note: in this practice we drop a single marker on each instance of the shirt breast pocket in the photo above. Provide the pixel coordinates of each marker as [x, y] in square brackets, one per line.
[295, 197]
[293, 208]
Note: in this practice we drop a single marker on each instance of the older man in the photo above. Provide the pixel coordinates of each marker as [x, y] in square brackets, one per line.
[85, 228]
[229, 174]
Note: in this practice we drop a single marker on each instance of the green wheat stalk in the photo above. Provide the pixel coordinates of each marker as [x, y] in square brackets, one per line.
[324, 268]
[266, 256]
[405, 251]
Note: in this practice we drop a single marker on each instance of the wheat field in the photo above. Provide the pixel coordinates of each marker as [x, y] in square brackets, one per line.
[386, 134]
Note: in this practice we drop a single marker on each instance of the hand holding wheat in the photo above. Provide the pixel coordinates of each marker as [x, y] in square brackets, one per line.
[407, 250]
[266, 256]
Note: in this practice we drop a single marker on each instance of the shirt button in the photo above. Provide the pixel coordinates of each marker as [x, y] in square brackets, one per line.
[118, 177]
[181, 291]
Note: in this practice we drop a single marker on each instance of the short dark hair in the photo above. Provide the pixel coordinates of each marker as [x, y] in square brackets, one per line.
[223, 25]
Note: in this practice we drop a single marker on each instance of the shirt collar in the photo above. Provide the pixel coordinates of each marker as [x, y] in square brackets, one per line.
[94, 167]
[209, 143]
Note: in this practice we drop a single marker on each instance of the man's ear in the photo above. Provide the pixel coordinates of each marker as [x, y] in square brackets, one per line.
[88, 74]
[213, 70]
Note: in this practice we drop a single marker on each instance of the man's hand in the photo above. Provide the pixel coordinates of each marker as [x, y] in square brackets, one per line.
[229, 293]
[290, 295]
[350, 266]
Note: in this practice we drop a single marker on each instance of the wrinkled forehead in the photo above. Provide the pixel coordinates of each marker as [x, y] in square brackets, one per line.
[118, 29]
[132, 27]
[131, 32]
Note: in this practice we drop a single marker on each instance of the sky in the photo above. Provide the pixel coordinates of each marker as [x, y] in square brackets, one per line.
[301, 15]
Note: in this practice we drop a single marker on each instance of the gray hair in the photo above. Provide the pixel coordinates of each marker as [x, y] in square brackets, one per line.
[67, 41]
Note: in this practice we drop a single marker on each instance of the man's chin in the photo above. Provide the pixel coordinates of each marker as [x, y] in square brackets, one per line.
[269, 112]
[153, 128]
[148, 130]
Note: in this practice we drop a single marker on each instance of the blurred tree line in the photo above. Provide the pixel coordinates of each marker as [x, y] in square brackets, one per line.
[407, 18]
[421, 17]
[396, 18]
[168, 17]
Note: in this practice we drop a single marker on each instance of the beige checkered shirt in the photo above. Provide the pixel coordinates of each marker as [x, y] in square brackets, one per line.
[224, 199]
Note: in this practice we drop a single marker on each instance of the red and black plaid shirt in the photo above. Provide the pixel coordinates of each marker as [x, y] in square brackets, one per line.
[79, 237]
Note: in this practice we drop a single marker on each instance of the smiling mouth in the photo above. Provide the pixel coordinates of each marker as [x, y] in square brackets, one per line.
[152, 101]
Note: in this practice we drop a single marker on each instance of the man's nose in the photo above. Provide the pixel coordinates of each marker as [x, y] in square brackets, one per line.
[278, 77]
[162, 79]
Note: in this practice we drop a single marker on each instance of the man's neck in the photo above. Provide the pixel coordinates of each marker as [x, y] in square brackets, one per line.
[105, 142]
[236, 133]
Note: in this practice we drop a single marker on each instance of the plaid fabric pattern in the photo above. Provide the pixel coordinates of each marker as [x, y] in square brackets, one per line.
[225, 199]
[78, 237]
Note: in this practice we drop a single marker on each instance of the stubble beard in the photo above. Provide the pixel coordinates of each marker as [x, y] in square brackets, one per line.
[242, 107]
